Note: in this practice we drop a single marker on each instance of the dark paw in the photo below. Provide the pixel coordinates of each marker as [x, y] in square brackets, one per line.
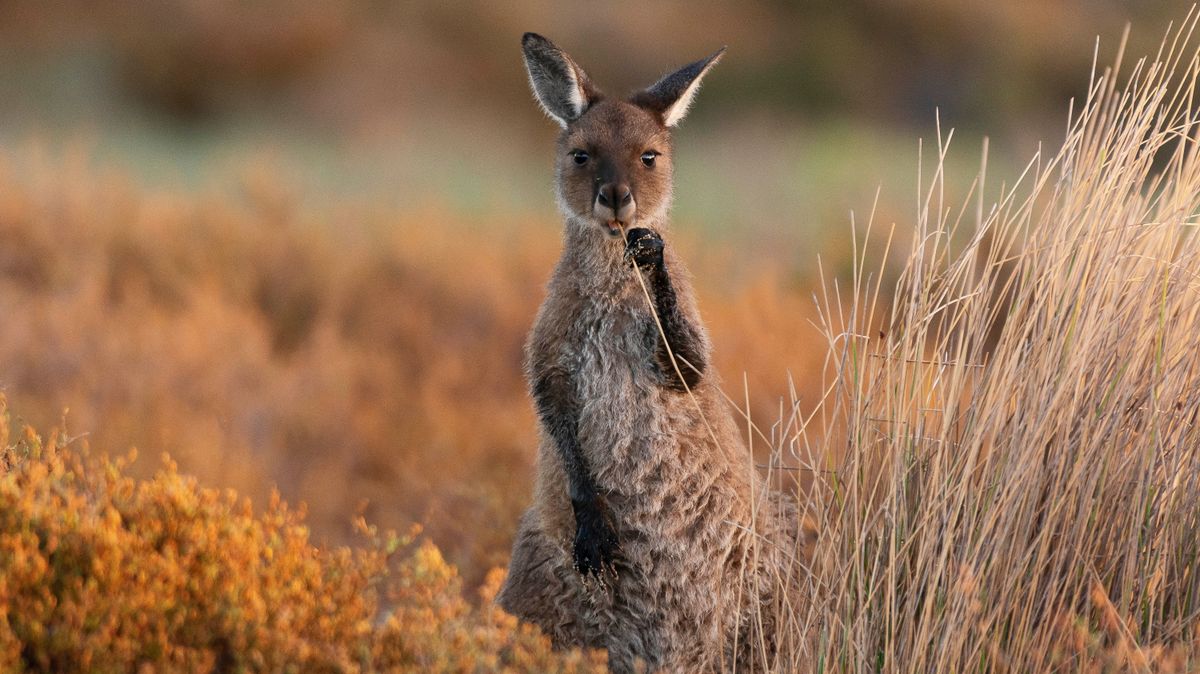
[644, 247]
[595, 544]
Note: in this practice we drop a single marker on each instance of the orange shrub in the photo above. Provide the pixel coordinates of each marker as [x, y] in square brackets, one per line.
[102, 572]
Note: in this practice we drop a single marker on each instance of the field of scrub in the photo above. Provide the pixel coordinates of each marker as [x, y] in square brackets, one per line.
[974, 361]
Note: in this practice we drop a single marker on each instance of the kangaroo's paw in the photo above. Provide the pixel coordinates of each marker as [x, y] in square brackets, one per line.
[596, 542]
[644, 247]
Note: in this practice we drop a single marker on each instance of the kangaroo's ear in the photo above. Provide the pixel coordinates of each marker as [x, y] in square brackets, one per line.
[671, 96]
[560, 85]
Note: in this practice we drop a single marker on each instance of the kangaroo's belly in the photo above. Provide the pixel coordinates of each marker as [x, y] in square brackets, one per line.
[672, 495]
[671, 498]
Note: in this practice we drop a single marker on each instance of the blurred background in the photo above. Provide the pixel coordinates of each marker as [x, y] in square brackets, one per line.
[297, 244]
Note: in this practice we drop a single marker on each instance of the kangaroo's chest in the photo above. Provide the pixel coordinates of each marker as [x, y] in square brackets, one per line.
[613, 348]
[615, 377]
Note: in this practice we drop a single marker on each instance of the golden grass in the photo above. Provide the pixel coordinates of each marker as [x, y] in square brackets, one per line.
[1005, 471]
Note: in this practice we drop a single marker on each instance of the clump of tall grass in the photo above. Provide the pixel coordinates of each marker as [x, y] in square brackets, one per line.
[1004, 469]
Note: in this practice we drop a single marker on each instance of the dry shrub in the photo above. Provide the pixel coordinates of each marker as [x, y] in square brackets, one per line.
[262, 347]
[101, 572]
[339, 353]
[1006, 468]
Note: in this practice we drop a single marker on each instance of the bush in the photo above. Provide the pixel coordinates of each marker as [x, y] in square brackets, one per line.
[101, 572]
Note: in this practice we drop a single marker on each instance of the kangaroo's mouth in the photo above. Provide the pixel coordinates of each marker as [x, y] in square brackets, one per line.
[614, 227]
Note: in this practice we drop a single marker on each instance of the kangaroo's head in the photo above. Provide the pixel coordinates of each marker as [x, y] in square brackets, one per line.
[614, 156]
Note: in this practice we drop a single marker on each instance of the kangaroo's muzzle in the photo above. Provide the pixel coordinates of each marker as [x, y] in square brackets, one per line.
[614, 206]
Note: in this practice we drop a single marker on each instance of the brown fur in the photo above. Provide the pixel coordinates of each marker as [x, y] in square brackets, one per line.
[668, 467]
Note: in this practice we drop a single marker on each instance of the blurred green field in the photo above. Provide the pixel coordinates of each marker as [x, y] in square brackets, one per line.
[425, 104]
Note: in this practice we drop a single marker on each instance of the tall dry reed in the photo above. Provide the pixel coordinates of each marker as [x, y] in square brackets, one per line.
[1004, 469]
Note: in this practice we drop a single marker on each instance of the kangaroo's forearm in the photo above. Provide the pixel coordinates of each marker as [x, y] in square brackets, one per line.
[558, 408]
[682, 336]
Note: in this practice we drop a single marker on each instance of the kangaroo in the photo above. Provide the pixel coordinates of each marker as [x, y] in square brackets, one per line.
[640, 539]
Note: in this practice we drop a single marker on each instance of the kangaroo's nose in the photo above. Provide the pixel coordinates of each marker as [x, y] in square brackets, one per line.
[617, 199]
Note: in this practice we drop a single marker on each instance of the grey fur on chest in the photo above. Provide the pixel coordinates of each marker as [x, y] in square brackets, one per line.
[610, 342]
[611, 360]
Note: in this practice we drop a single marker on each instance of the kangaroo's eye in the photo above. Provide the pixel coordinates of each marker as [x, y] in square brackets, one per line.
[648, 158]
[580, 157]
